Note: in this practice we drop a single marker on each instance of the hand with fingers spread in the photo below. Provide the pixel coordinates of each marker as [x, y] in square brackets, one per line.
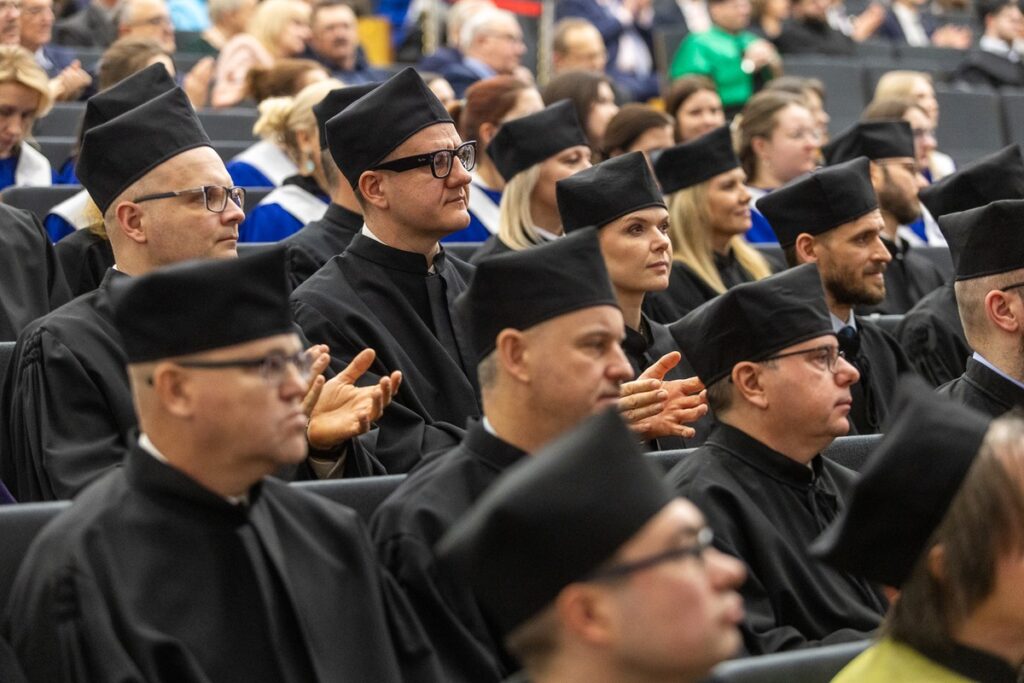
[320, 357]
[685, 402]
[641, 399]
[341, 410]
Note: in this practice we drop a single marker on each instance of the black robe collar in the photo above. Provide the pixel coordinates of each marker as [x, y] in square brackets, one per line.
[764, 459]
[308, 184]
[637, 342]
[993, 385]
[389, 257]
[976, 665]
[495, 452]
[340, 217]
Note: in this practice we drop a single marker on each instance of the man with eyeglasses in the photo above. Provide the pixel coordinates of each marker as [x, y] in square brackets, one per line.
[393, 288]
[889, 145]
[831, 217]
[779, 387]
[191, 563]
[610, 578]
[990, 296]
[492, 44]
[146, 19]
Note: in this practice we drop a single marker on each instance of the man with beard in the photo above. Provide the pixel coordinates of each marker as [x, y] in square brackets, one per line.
[831, 217]
[779, 387]
[335, 43]
[989, 278]
[896, 179]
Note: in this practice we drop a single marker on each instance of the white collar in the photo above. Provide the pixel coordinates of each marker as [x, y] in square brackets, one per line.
[838, 324]
[146, 444]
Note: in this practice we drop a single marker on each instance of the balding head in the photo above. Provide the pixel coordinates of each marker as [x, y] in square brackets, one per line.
[147, 19]
[494, 37]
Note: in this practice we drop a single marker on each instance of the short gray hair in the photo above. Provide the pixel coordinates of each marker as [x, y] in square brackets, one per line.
[480, 22]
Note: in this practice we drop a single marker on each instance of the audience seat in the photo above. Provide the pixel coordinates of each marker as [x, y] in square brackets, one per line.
[253, 196]
[844, 86]
[1013, 114]
[62, 120]
[38, 200]
[230, 124]
[812, 665]
[970, 125]
[56, 148]
[362, 495]
[940, 257]
[6, 353]
[463, 250]
[667, 40]
[888, 323]
[848, 451]
[940, 58]
[19, 524]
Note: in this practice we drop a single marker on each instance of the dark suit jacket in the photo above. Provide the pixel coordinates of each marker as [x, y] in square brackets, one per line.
[605, 22]
[60, 58]
[987, 68]
[892, 31]
[460, 77]
[89, 27]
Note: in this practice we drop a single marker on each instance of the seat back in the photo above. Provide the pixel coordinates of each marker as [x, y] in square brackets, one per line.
[39, 200]
[971, 124]
[362, 495]
[253, 196]
[669, 459]
[852, 451]
[6, 353]
[939, 256]
[888, 323]
[229, 124]
[56, 148]
[667, 40]
[813, 665]
[462, 250]
[844, 83]
[62, 120]
[19, 525]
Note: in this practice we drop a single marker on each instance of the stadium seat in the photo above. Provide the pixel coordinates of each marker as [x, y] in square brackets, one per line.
[852, 451]
[941, 58]
[1013, 114]
[6, 353]
[888, 323]
[773, 252]
[362, 495]
[229, 149]
[844, 86]
[62, 121]
[970, 124]
[56, 148]
[229, 124]
[463, 250]
[253, 196]
[667, 40]
[812, 665]
[38, 200]
[876, 49]
[19, 524]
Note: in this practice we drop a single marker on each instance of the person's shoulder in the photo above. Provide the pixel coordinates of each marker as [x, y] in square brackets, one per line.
[699, 469]
[93, 515]
[308, 504]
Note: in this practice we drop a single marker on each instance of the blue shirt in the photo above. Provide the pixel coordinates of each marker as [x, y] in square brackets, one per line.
[189, 15]
[7, 168]
[57, 228]
[760, 230]
[981, 359]
[246, 175]
[268, 223]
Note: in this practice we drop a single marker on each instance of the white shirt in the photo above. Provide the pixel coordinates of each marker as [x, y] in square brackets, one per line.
[910, 22]
[146, 444]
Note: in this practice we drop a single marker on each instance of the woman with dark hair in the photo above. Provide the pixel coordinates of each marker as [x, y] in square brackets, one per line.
[694, 105]
[637, 128]
[592, 96]
[489, 103]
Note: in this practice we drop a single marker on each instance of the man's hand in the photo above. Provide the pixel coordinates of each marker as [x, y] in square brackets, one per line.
[341, 410]
[685, 401]
[196, 82]
[70, 82]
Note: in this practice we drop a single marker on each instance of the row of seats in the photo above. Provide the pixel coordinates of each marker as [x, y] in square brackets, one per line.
[233, 123]
[58, 149]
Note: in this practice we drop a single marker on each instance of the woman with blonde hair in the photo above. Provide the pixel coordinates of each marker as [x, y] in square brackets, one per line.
[24, 97]
[532, 153]
[304, 196]
[277, 29]
[777, 140]
[917, 86]
[709, 206]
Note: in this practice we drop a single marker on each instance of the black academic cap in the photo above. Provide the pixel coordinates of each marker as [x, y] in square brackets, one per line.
[751, 321]
[528, 140]
[334, 103]
[906, 486]
[989, 238]
[369, 129]
[127, 94]
[695, 161]
[871, 139]
[521, 289]
[598, 195]
[201, 305]
[819, 201]
[553, 519]
[157, 130]
[999, 175]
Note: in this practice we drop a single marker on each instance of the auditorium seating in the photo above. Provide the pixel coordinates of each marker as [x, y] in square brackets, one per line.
[6, 352]
[849, 451]
[462, 250]
[362, 495]
[19, 524]
[812, 665]
[970, 124]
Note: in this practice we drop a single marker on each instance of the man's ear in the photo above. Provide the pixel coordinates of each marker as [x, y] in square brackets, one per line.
[805, 248]
[512, 349]
[373, 187]
[130, 221]
[174, 389]
[586, 612]
[1000, 312]
[746, 377]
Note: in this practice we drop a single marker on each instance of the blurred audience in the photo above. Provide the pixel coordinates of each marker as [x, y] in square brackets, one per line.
[146, 19]
[92, 26]
[449, 53]
[695, 106]
[228, 18]
[638, 128]
[809, 32]
[910, 22]
[917, 86]
[334, 42]
[996, 62]
[491, 42]
[68, 80]
[768, 16]
[812, 91]
[24, 97]
[593, 98]
[10, 22]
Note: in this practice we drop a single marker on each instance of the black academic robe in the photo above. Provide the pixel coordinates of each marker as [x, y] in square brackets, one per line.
[765, 509]
[412, 520]
[807, 36]
[84, 257]
[909, 277]
[880, 360]
[687, 290]
[933, 336]
[984, 390]
[31, 281]
[319, 241]
[643, 349]
[151, 577]
[376, 296]
[491, 246]
[981, 67]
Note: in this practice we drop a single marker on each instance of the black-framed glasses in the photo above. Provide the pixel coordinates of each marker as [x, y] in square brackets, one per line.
[273, 368]
[828, 355]
[440, 162]
[215, 196]
[704, 539]
[1013, 286]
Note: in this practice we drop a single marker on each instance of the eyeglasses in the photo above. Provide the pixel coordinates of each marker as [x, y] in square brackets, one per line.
[826, 355]
[154, 21]
[440, 162]
[910, 167]
[215, 196]
[273, 368]
[704, 538]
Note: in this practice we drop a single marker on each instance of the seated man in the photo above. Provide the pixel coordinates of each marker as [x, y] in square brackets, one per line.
[896, 179]
[808, 31]
[780, 390]
[491, 42]
[996, 62]
[637, 593]
[335, 43]
[989, 277]
[931, 332]
[954, 554]
[546, 331]
[190, 563]
[830, 217]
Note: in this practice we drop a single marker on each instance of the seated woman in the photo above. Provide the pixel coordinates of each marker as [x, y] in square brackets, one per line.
[265, 163]
[532, 153]
[633, 226]
[812, 90]
[277, 29]
[710, 209]
[303, 197]
[593, 98]
[489, 103]
[637, 128]
[778, 141]
[24, 97]
[694, 104]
